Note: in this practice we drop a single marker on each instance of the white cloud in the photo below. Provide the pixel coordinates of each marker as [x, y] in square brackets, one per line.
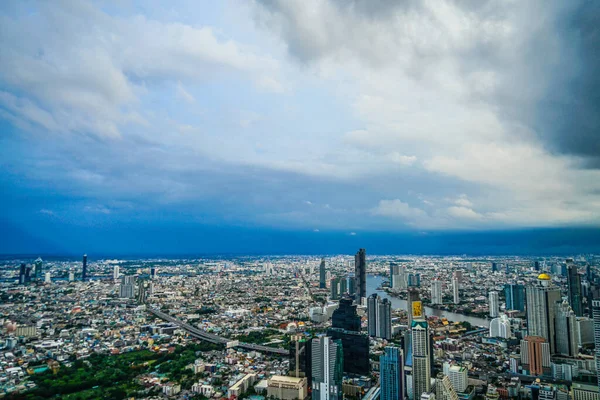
[397, 209]
[464, 212]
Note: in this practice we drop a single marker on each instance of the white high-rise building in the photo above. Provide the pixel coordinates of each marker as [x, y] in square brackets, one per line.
[455, 287]
[397, 277]
[436, 292]
[596, 315]
[541, 298]
[421, 357]
[500, 327]
[116, 272]
[71, 276]
[458, 377]
[47, 278]
[494, 304]
[127, 288]
[327, 366]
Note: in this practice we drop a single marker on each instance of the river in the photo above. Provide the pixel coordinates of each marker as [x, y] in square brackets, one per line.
[374, 281]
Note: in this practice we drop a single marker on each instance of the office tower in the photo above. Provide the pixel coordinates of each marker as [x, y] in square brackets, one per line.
[436, 292]
[536, 265]
[574, 285]
[414, 280]
[379, 315]
[360, 271]
[116, 272]
[500, 327]
[22, 269]
[541, 298]
[84, 269]
[301, 358]
[334, 287]
[494, 304]
[47, 278]
[327, 375]
[345, 316]
[39, 265]
[27, 274]
[345, 326]
[507, 267]
[150, 288]
[588, 273]
[153, 271]
[141, 296]
[413, 295]
[515, 297]
[71, 276]
[394, 271]
[421, 351]
[127, 287]
[459, 377]
[343, 282]
[567, 337]
[322, 275]
[391, 374]
[494, 267]
[596, 314]
[535, 355]
[351, 283]
[397, 277]
[455, 288]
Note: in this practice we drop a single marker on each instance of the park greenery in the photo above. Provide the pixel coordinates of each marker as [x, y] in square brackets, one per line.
[114, 376]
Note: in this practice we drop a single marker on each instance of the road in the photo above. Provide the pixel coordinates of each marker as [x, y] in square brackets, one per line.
[209, 337]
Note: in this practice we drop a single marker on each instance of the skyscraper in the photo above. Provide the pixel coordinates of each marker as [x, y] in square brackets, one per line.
[360, 271]
[391, 369]
[115, 272]
[334, 288]
[47, 278]
[127, 288]
[494, 304]
[535, 355]
[455, 288]
[459, 378]
[322, 275]
[436, 292]
[301, 358]
[379, 314]
[345, 326]
[500, 327]
[84, 269]
[22, 274]
[327, 373]
[351, 283]
[413, 295]
[153, 272]
[596, 314]
[421, 355]
[536, 265]
[574, 285]
[515, 297]
[541, 298]
[566, 330]
[494, 267]
[39, 265]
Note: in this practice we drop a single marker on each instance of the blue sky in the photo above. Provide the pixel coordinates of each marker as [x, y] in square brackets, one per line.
[298, 125]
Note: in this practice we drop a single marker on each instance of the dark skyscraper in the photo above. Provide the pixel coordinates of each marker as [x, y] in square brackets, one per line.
[22, 274]
[301, 358]
[345, 326]
[345, 316]
[334, 287]
[153, 273]
[494, 267]
[322, 275]
[360, 271]
[39, 269]
[574, 285]
[84, 269]
[536, 265]
[27, 274]
[515, 297]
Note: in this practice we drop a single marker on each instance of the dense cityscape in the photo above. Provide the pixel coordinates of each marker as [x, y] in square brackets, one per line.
[294, 327]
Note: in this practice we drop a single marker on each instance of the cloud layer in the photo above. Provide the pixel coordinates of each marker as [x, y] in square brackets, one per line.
[302, 114]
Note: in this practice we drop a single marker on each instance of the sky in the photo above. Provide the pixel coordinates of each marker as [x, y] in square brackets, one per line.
[305, 126]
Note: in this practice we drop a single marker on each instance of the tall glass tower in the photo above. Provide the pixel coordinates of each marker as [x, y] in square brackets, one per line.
[327, 369]
[360, 271]
[322, 275]
[391, 367]
[84, 270]
[574, 284]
